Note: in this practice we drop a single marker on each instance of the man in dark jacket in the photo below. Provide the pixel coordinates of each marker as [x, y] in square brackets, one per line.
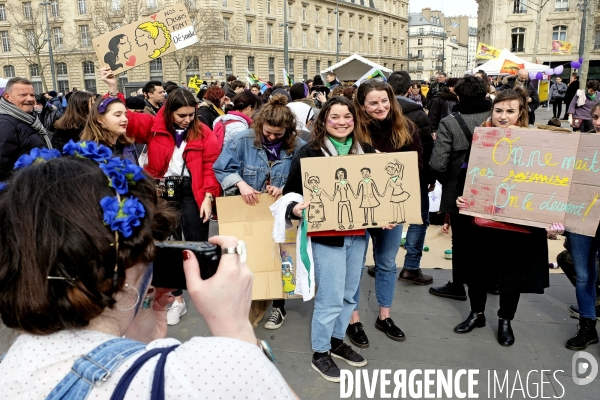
[436, 86]
[572, 89]
[20, 129]
[441, 104]
[53, 100]
[332, 80]
[415, 237]
[227, 87]
[447, 162]
[522, 81]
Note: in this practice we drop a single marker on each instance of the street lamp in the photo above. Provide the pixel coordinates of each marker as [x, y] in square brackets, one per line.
[49, 39]
[337, 35]
[285, 35]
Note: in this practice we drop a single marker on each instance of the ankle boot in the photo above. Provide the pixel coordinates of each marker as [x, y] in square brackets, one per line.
[474, 320]
[586, 335]
[506, 336]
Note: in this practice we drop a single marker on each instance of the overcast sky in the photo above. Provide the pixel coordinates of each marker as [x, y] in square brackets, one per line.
[449, 7]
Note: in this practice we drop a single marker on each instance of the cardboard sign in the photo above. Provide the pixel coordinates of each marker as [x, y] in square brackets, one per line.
[361, 191]
[254, 225]
[288, 262]
[535, 178]
[147, 39]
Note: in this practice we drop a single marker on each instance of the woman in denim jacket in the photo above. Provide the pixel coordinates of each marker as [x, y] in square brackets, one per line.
[258, 161]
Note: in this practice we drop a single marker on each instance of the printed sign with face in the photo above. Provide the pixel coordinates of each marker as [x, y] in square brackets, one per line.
[147, 39]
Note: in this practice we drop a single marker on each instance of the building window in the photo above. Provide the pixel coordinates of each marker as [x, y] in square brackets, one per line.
[329, 47]
[86, 40]
[559, 33]
[328, 63]
[156, 70]
[115, 5]
[151, 4]
[82, 5]
[369, 45]
[228, 65]
[34, 70]
[61, 68]
[89, 75]
[9, 71]
[54, 9]
[291, 70]
[225, 3]
[419, 42]
[269, 33]
[88, 67]
[303, 13]
[192, 67]
[2, 12]
[318, 40]
[351, 43]
[5, 41]
[328, 17]
[58, 37]
[518, 40]
[290, 37]
[251, 64]
[520, 7]
[27, 12]
[304, 38]
[31, 39]
[226, 29]
[272, 69]
[268, 6]
[317, 16]
[62, 74]
[561, 5]
[249, 31]
[248, 5]
[305, 69]
[318, 66]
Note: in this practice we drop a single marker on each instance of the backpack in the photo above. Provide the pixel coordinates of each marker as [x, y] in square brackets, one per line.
[219, 130]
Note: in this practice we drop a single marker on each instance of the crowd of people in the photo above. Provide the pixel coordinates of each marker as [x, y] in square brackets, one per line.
[91, 266]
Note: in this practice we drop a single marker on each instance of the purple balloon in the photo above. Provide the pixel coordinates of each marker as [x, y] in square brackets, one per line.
[581, 60]
[559, 70]
[575, 64]
[539, 75]
[549, 71]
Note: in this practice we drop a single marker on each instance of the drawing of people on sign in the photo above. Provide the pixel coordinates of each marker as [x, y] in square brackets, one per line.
[316, 211]
[342, 186]
[118, 48]
[399, 196]
[154, 37]
[367, 188]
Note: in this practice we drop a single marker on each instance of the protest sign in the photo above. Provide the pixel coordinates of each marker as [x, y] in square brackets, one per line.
[194, 83]
[559, 46]
[147, 39]
[535, 178]
[486, 52]
[511, 67]
[361, 191]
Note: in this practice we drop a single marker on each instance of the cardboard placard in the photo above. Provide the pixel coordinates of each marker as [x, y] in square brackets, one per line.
[254, 225]
[361, 191]
[534, 177]
[288, 262]
[146, 39]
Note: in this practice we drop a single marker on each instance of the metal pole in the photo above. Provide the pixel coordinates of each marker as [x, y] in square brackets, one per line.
[408, 49]
[583, 26]
[285, 35]
[589, 43]
[443, 53]
[337, 35]
[54, 87]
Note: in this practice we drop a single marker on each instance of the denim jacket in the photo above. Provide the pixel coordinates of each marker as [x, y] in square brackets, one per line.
[241, 160]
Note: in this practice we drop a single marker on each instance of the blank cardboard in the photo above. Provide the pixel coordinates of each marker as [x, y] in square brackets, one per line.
[147, 39]
[361, 191]
[254, 225]
[534, 177]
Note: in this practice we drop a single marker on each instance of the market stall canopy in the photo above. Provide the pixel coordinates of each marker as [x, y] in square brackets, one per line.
[493, 67]
[353, 67]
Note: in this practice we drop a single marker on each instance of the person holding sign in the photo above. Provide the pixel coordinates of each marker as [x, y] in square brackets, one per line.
[258, 160]
[381, 118]
[517, 271]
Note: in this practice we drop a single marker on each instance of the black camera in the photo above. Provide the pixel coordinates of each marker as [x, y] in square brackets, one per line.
[168, 262]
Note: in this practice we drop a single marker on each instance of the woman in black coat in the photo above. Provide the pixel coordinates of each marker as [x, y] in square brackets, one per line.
[71, 124]
[572, 89]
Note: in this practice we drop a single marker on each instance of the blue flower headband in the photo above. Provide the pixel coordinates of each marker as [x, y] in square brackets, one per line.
[120, 213]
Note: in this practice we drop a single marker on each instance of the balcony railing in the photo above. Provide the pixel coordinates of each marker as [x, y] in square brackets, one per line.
[415, 57]
[427, 33]
[517, 49]
[561, 9]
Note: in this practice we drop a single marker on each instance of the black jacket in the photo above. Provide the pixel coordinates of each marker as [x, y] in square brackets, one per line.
[572, 89]
[207, 115]
[62, 137]
[415, 113]
[531, 90]
[294, 185]
[440, 107]
[16, 138]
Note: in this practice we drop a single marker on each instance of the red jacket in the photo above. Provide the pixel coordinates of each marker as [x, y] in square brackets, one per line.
[199, 154]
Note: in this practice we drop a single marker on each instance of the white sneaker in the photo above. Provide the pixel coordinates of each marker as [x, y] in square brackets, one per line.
[175, 312]
[276, 319]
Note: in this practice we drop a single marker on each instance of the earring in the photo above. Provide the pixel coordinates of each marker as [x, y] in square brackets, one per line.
[137, 299]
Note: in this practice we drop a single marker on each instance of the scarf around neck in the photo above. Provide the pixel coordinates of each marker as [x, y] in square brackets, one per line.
[342, 148]
[7, 108]
[272, 148]
[330, 150]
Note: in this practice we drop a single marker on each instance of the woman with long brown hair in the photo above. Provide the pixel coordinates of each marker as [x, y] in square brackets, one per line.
[380, 116]
[71, 124]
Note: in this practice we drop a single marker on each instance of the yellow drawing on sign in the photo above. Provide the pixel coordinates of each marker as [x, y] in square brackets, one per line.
[154, 37]
[195, 83]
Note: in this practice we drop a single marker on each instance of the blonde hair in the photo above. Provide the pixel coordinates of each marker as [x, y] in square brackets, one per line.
[153, 29]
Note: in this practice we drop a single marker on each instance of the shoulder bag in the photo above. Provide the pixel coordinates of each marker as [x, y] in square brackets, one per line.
[169, 188]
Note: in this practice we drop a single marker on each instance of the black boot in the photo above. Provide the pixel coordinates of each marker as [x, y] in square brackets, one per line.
[506, 337]
[474, 320]
[586, 335]
[450, 290]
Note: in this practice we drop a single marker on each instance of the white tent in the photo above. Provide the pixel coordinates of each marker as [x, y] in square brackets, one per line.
[353, 67]
[493, 67]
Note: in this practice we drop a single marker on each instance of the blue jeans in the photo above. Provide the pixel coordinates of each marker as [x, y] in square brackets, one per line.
[583, 251]
[415, 236]
[386, 243]
[337, 274]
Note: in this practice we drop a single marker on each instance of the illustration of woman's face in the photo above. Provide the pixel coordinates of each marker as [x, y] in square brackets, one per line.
[390, 170]
[340, 175]
[143, 39]
[124, 46]
[313, 183]
[365, 173]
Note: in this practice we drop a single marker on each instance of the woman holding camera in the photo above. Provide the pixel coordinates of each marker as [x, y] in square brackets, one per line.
[93, 295]
[178, 146]
[258, 161]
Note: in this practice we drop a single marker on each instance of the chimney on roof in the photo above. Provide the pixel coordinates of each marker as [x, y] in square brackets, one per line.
[426, 13]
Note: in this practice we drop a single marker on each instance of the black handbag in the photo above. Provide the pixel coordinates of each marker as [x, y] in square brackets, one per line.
[169, 188]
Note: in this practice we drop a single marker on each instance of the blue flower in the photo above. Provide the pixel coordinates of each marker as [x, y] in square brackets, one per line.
[71, 148]
[118, 181]
[122, 216]
[132, 206]
[3, 186]
[132, 171]
[93, 151]
[111, 208]
[36, 155]
[114, 164]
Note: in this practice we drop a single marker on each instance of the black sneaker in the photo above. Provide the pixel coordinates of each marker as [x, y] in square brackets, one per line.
[347, 354]
[371, 270]
[276, 319]
[450, 290]
[327, 368]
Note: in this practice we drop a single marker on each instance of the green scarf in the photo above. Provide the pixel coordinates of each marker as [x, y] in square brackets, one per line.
[590, 97]
[342, 148]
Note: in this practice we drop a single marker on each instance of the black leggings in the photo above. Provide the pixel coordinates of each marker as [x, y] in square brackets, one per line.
[508, 301]
[557, 107]
[190, 223]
